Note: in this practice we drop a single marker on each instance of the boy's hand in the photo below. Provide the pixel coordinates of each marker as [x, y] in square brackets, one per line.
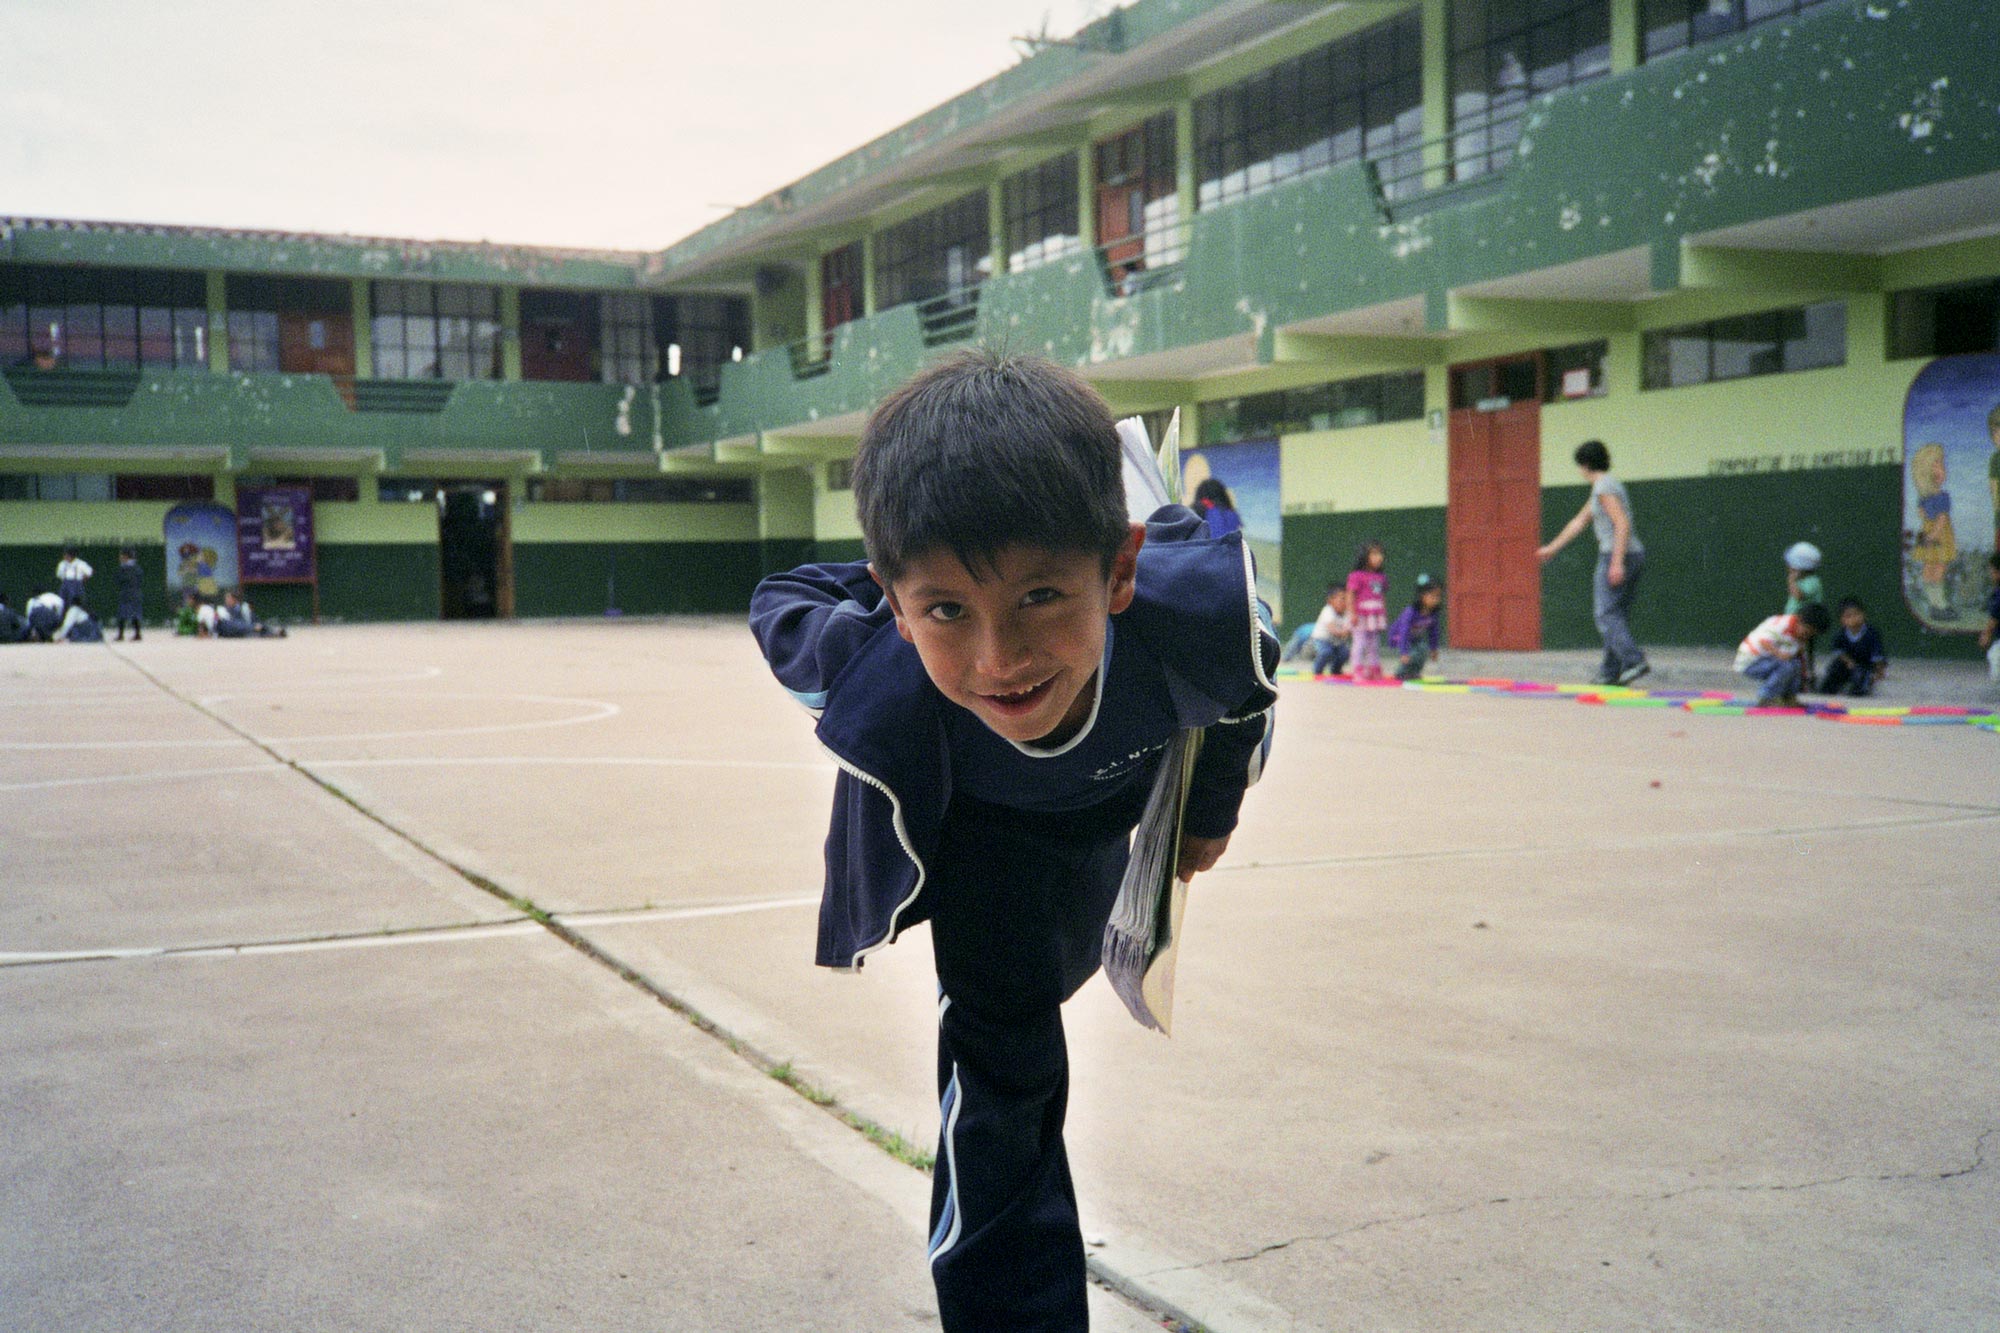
[1198, 854]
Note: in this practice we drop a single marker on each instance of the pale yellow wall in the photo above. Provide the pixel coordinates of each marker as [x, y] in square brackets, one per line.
[785, 504]
[370, 521]
[1362, 467]
[42, 522]
[545, 522]
[833, 512]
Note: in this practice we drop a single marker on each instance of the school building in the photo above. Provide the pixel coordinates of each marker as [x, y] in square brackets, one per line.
[1391, 260]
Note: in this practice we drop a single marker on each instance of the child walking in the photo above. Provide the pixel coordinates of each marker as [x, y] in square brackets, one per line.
[1369, 609]
[997, 685]
[1414, 636]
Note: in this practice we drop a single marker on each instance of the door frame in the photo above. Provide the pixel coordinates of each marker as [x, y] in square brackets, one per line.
[503, 541]
[1454, 416]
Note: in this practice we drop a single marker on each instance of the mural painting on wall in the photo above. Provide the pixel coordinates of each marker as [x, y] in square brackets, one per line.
[1250, 471]
[1951, 489]
[201, 550]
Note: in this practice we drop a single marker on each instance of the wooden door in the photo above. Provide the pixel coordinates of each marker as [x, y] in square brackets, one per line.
[1121, 225]
[1493, 519]
[840, 288]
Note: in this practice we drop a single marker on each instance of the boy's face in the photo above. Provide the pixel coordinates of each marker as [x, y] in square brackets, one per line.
[1852, 619]
[1019, 649]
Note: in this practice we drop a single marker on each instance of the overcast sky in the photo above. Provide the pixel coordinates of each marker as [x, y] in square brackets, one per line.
[621, 124]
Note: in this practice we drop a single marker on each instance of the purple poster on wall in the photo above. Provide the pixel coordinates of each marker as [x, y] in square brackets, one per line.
[274, 534]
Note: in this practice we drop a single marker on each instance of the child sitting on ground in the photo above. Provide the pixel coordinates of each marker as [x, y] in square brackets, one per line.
[1414, 636]
[1332, 632]
[997, 685]
[1856, 660]
[1769, 654]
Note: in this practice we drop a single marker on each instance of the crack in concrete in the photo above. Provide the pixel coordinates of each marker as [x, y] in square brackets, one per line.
[1977, 1163]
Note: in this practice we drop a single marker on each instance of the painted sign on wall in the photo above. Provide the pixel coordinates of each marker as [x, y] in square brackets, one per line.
[201, 549]
[274, 533]
[1951, 489]
[1250, 471]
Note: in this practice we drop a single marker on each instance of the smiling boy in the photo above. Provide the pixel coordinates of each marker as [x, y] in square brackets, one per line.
[997, 684]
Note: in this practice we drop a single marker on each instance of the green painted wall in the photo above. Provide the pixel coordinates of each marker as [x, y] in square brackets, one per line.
[1320, 548]
[570, 578]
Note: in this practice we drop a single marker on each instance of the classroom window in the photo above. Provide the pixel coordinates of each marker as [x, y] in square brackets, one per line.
[1945, 321]
[1039, 211]
[325, 490]
[1575, 372]
[1675, 25]
[1360, 96]
[702, 334]
[1771, 342]
[298, 325]
[1138, 198]
[163, 486]
[639, 490]
[1504, 52]
[1367, 401]
[72, 486]
[443, 331]
[625, 339]
[103, 319]
[945, 252]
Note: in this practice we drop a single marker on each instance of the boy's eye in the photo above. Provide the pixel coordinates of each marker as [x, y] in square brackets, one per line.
[945, 611]
[1040, 595]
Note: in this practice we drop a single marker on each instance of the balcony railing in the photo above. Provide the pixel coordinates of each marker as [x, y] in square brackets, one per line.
[1474, 153]
[1133, 264]
[952, 317]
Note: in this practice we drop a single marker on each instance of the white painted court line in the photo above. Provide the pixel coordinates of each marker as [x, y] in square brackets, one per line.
[616, 917]
[171, 775]
[429, 935]
[325, 685]
[530, 760]
[597, 711]
[494, 930]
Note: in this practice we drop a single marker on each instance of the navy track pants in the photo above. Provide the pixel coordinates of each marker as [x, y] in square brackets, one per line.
[1017, 904]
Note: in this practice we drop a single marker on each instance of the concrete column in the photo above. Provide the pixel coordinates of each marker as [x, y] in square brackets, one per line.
[1086, 196]
[218, 322]
[1625, 38]
[364, 332]
[1185, 165]
[996, 228]
[815, 301]
[1437, 89]
[510, 334]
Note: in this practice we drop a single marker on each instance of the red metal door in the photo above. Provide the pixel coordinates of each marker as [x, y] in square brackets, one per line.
[1493, 519]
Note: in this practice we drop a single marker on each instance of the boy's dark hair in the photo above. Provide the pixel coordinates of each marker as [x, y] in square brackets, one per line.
[69, 552]
[1852, 604]
[1593, 455]
[985, 451]
[1815, 616]
[127, 553]
[1361, 556]
[1336, 585]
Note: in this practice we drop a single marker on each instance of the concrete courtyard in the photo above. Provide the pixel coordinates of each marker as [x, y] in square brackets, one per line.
[432, 977]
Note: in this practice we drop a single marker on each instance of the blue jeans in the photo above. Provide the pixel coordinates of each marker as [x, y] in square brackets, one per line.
[1610, 607]
[1779, 677]
[1330, 655]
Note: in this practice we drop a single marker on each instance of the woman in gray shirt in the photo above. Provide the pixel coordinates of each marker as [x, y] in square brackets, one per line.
[1621, 557]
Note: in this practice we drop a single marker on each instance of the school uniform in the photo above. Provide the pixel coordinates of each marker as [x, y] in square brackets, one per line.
[131, 597]
[71, 575]
[1014, 855]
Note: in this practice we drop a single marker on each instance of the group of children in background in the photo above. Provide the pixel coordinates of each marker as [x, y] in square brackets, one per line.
[1347, 636]
[1778, 654]
[62, 617]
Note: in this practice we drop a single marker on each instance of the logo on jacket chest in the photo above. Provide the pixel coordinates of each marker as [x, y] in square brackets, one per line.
[1125, 763]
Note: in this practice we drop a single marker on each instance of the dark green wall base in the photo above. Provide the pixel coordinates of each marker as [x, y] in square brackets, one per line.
[839, 552]
[26, 568]
[1321, 549]
[647, 578]
[1714, 557]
